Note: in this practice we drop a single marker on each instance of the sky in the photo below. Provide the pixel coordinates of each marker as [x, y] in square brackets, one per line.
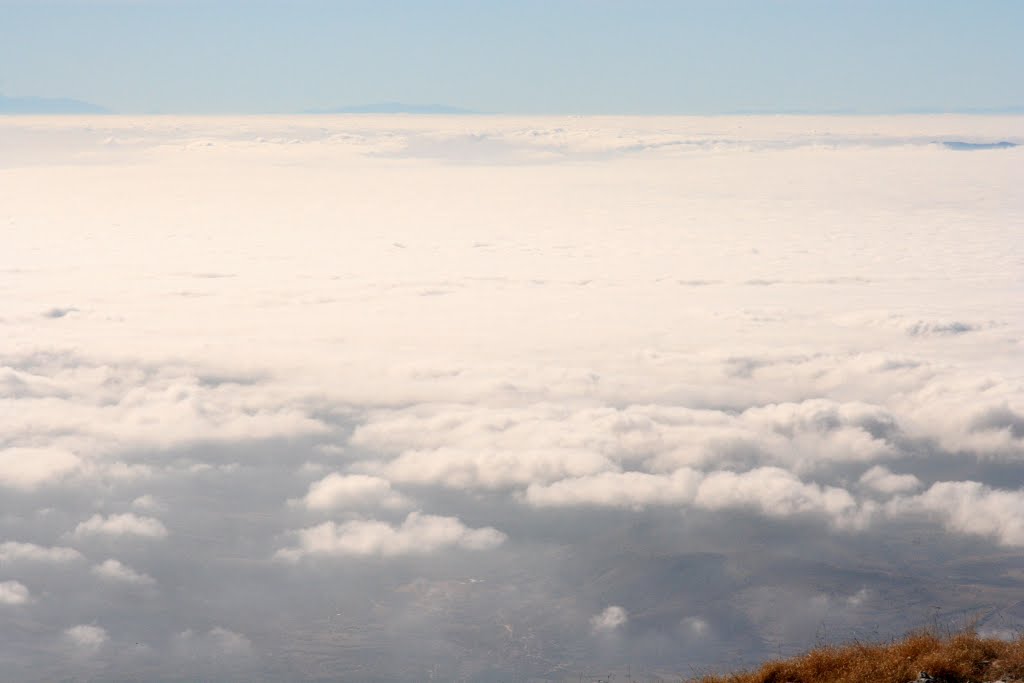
[503, 398]
[528, 56]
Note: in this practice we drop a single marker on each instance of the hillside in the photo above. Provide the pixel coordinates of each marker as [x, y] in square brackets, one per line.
[960, 658]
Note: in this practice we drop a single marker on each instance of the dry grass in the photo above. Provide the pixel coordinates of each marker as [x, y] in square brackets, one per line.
[958, 658]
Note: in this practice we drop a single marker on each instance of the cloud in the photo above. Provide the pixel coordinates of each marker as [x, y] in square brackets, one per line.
[127, 524]
[14, 551]
[216, 642]
[610, 620]
[771, 491]
[30, 468]
[87, 637]
[933, 328]
[817, 431]
[619, 489]
[59, 312]
[969, 507]
[695, 627]
[999, 418]
[778, 493]
[882, 480]
[96, 408]
[113, 570]
[531, 369]
[147, 502]
[13, 593]
[353, 490]
[858, 598]
[418, 534]
[456, 468]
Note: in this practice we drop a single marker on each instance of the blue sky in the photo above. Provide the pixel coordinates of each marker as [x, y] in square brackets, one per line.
[529, 56]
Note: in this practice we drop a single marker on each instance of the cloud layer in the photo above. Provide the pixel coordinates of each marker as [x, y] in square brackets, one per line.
[400, 398]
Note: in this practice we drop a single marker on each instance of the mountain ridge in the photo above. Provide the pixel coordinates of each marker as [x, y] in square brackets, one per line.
[48, 105]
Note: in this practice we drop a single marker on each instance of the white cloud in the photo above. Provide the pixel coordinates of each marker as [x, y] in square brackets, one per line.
[127, 524]
[618, 489]
[777, 493]
[30, 468]
[352, 490]
[490, 469]
[113, 570]
[87, 637]
[100, 409]
[881, 479]
[695, 627]
[858, 598]
[230, 641]
[13, 593]
[772, 491]
[818, 431]
[216, 643]
[969, 507]
[147, 502]
[418, 534]
[610, 620]
[122, 471]
[13, 551]
[652, 321]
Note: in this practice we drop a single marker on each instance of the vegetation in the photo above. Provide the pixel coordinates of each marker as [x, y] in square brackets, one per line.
[962, 657]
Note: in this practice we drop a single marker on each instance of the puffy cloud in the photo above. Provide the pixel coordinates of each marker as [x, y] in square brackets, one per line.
[87, 637]
[216, 642]
[113, 570]
[858, 598]
[147, 502]
[618, 489]
[418, 534]
[770, 490]
[882, 480]
[100, 408]
[230, 642]
[969, 507]
[818, 431]
[778, 493]
[352, 490]
[973, 414]
[489, 448]
[127, 524]
[610, 620]
[29, 468]
[999, 419]
[13, 551]
[13, 593]
[695, 627]
[457, 468]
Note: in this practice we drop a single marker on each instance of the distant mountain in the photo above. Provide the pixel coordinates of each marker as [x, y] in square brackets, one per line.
[961, 146]
[393, 108]
[47, 105]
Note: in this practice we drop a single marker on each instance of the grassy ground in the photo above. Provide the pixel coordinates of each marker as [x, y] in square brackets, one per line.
[958, 658]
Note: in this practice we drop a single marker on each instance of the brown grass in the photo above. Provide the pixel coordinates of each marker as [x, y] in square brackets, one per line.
[958, 658]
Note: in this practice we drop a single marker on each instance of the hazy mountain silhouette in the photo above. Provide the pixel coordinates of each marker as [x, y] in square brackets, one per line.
[961, 146]
[47, 105]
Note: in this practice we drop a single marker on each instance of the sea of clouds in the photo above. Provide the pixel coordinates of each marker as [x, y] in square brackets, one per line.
[484, 398]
